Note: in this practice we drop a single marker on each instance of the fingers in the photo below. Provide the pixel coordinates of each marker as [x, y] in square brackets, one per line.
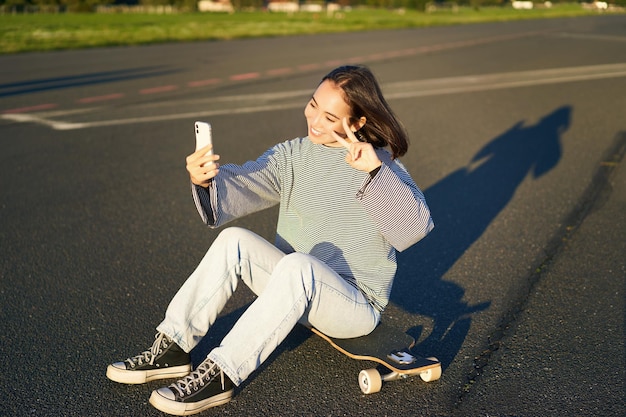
[206, 150]
[350, 137]
[341, 140]
[346, 127]
[203, 175]
[201, 158]
[202, 166]
[361, 155]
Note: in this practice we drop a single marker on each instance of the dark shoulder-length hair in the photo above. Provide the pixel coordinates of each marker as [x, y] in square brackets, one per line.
[365, 98]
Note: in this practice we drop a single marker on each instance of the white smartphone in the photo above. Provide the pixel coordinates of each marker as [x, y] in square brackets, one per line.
[203, 135]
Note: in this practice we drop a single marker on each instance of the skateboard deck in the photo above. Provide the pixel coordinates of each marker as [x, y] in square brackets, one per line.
[389, 347]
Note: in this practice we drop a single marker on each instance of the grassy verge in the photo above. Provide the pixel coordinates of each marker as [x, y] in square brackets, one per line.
[43, 32]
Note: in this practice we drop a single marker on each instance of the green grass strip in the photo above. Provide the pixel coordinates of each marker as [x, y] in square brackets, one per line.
[44, 32]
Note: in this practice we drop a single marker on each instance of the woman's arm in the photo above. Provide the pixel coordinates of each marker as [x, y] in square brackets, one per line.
[239, 190]
[397, 205]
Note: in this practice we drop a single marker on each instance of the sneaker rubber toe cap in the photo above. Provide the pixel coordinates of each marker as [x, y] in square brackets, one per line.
[119, 365]
[166, 393]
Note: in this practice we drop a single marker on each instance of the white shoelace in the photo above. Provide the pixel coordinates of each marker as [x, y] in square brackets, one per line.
[202, 376]
[148, 356]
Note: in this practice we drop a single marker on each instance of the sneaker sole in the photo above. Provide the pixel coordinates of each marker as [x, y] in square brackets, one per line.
[186, 409]
[125, 376]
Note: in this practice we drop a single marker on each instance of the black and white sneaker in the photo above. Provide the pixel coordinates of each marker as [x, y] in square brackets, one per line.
[204, 388]
[165, 359]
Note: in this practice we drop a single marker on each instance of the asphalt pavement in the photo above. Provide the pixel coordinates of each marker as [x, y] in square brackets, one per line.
[518, 136]
[562, 352]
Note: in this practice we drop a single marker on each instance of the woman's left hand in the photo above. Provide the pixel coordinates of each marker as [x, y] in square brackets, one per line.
[361, 155]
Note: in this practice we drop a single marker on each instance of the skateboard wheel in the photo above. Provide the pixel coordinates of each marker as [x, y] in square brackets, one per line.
[370, 381]
[432, 374]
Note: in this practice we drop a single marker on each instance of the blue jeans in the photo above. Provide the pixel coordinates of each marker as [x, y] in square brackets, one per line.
[291, 288]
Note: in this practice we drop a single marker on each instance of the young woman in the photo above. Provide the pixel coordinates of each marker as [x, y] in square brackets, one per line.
[346, 205]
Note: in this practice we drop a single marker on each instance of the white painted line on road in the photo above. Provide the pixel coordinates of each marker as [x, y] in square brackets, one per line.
[465, 84]
[31, 117]
[256, 103]
[60, 125]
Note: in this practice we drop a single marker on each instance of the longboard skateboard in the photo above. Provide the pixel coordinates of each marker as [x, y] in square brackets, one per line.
[389, 347]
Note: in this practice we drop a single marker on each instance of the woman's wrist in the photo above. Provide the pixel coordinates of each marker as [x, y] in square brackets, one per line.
[375, 170]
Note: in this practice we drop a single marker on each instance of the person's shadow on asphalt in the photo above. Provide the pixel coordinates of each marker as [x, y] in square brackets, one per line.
[463, 204]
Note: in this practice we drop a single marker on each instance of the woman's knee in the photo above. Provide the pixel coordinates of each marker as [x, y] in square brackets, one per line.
[233, 234]
[296, 261]
[297, 268]
[230, 242]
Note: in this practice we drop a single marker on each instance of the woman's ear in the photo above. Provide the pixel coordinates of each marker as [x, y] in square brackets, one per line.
[359, 124]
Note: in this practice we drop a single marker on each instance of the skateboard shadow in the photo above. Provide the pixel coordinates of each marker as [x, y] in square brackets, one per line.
[463, 205]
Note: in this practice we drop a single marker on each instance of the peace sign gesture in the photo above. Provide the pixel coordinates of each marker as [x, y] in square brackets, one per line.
[361, 155]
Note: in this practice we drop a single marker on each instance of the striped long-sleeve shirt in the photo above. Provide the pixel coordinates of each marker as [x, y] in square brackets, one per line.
[352, 221]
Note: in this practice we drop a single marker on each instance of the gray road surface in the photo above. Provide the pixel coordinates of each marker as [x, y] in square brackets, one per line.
[518, 133]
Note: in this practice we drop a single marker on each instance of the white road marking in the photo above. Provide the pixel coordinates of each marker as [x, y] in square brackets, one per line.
[256, 103]
[465, 84]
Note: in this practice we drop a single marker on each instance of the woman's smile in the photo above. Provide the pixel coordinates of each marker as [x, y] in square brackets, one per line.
[315, 132]
[324, 113]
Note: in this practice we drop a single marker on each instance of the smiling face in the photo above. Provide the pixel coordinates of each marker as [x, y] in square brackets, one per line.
[324, 113]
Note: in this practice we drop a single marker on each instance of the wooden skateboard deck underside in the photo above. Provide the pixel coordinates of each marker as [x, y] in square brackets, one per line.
[387, 346]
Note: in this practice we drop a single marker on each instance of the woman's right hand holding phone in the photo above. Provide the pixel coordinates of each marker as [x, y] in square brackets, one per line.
[202, 166]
